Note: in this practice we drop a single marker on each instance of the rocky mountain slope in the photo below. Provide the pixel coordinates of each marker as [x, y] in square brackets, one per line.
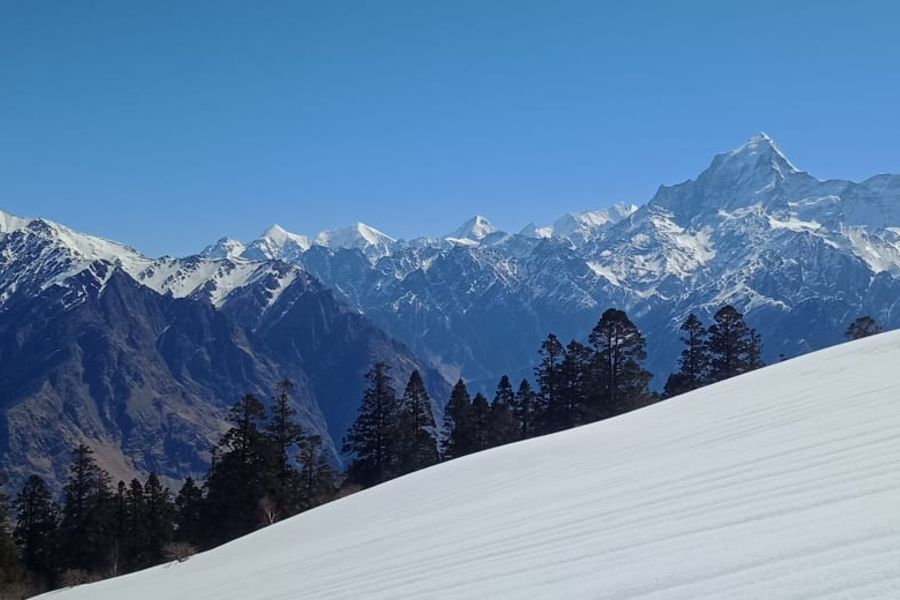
[141, 358]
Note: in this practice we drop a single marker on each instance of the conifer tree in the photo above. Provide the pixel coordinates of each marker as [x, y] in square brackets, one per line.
[571, 409]
[733, 347]
[285, 436]
[525, 409]
[371, 438]
[119, 530]
[189, 513]
[693, 365]
[236, 483]
[316, 480]
[619, 381]
[504, 428]
[160, 515]
[36, 530]
[416, 444]
[459, 430]
[481, 420]
[137, 527]
[862, 327]
[548, 374]
[84, 533]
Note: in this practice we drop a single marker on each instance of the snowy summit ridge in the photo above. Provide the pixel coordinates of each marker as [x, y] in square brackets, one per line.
[795, 253]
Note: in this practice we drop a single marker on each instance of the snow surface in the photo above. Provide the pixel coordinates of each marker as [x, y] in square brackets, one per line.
[782, 483]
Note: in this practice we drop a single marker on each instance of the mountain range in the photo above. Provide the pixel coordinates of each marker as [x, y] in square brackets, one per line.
[141, 356]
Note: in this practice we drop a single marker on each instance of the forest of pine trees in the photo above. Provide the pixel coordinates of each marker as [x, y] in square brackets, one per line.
[265, 468]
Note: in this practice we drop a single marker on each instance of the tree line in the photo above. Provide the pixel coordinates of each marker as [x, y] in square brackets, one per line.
[265, 468]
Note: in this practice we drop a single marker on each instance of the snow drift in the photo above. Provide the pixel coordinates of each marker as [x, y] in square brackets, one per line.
[783, 483]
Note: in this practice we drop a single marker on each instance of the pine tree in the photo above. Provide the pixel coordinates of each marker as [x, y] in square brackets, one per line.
[481, 422]
[316, 481]
[862, 327]
[618, 379]
[525, 409]
[119, 531]
[733, 347]
[416, 444]
[160, 515]
[571, 409]
[371, 438]
[459, 431]
[285, 436]
[548, 374]
[237, 484]
[84, 534]
[36, 530]
[503, 426]
[693, 365]
[189, 513]
[137, 527]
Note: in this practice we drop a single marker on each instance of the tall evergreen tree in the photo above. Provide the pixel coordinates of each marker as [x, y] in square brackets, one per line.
[137, 528]
[693, 365]
[236, 484]
[571, 409]
[371, 438]
[36, 530]
[87, 499]
[481, 422]
[459, 430]
[862, 327]
[733, 346]
[119, 531]
[160, 515]
[525, 408]
[316, 481]
[285, 436]
[416, 444]
[548, 374]
[503, 427]
[619, 381]
[189, 513]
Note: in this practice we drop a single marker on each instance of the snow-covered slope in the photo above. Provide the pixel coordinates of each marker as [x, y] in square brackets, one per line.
[782, 483]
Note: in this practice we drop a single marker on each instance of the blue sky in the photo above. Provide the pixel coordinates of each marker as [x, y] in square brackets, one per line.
[166, 124]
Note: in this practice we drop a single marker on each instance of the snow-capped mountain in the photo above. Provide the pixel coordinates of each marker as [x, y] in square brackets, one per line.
[474, 230]
[781, 483]
[582, 226]
[802, 257]
[141, 357]
[368, 240]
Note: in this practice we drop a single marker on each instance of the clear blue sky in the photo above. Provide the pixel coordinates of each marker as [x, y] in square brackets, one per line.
[166, 124]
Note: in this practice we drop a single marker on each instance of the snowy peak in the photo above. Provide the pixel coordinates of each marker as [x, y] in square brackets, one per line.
[359, 236]
[581, 226]
[758, 162]
[224, 248]
[762, 150]
[475, 229]
[277, 242]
